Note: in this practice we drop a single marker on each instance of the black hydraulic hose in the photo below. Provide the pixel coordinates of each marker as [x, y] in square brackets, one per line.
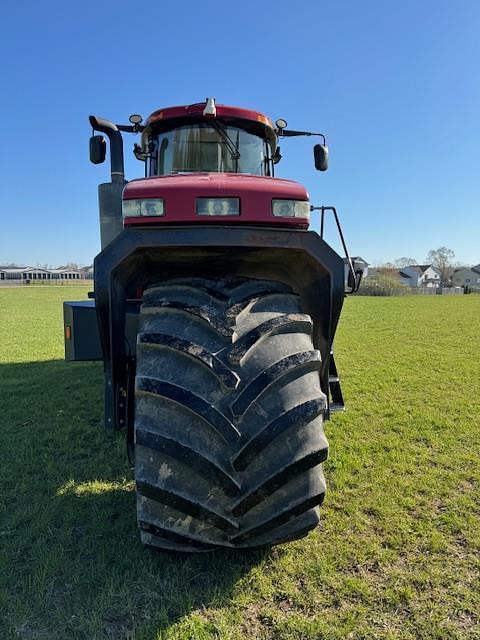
[116, 146]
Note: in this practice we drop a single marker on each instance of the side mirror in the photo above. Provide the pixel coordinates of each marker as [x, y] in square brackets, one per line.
[320, 153]
[98, 149]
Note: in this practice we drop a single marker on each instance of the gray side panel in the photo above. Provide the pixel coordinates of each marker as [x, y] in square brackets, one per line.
[110, 208]
[81, 334]
[82, 339]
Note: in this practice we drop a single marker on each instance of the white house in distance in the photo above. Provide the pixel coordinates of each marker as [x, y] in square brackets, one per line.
[420, 275]
[467, 277]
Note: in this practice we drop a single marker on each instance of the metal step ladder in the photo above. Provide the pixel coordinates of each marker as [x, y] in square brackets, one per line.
[336, 396]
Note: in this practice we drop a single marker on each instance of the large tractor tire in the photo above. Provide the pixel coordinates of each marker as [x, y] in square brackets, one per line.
[229, 440]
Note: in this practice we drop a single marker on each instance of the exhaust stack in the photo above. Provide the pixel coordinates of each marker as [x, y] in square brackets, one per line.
[110, 193]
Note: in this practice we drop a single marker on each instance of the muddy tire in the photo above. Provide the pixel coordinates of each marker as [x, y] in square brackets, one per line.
[229, 439]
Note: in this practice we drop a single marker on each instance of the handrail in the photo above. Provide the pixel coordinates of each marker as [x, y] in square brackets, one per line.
[355, 276]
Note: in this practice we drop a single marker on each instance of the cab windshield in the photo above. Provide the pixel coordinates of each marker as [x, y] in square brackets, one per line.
[211, 147]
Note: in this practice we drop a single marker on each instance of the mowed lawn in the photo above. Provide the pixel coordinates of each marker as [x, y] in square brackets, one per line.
[398, 551]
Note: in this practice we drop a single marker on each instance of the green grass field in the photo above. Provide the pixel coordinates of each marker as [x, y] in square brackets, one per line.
[398, 551]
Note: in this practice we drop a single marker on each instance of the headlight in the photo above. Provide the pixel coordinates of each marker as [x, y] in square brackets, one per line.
[146, 207]
[218, 206]
[291, 208]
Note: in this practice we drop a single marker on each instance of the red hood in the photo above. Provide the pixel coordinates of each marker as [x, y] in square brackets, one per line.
[214, 184]
[180, 191]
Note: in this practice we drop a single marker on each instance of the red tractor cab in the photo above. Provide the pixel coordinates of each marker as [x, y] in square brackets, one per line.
[216, 162]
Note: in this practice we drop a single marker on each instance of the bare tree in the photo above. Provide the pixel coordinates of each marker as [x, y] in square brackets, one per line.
[442, 259]
[401, 263]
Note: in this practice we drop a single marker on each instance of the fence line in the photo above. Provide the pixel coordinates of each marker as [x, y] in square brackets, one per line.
[368, 290]
[11, 282]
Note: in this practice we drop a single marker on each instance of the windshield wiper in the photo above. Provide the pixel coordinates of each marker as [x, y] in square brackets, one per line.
[231, 146]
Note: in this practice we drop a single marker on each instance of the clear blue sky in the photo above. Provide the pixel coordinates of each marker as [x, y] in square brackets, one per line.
[394, 86]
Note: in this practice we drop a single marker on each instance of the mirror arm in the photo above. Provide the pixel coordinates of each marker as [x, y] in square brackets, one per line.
[131, 128]
[288, 133]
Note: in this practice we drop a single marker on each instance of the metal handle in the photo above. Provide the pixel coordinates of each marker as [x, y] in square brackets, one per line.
[356, 276]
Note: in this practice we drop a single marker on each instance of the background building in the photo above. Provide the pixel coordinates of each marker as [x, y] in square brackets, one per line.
[467, 277]
[34, 274]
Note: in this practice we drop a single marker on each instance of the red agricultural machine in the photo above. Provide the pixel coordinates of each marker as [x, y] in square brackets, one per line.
[214, 312]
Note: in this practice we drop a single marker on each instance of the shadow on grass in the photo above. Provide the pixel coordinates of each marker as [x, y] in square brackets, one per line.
[73, 563]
